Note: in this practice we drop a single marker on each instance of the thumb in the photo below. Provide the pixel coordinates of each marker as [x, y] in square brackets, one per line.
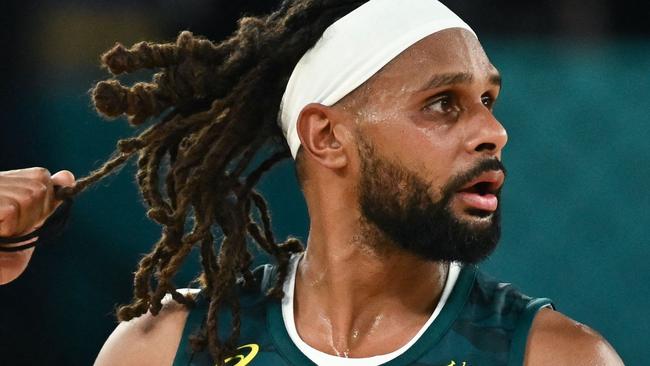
[63, 178]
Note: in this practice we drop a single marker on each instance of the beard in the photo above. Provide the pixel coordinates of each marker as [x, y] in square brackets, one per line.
[398, 203]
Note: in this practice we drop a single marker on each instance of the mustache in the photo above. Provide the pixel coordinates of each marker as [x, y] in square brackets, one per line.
[461, 179]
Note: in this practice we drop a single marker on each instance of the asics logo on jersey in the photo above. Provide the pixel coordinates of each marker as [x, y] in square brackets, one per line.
[453, 363]
[243, 359]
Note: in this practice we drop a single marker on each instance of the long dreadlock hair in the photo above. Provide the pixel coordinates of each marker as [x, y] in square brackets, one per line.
[214, 107]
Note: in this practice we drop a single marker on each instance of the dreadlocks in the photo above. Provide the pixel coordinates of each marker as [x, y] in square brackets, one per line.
[214, 107]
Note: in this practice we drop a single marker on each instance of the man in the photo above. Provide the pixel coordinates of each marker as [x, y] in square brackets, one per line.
[389, 118]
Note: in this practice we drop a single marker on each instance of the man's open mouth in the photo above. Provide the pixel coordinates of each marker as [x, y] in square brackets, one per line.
[480, 194]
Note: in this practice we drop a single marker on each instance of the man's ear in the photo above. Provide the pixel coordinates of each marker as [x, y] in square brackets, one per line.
[322, 135]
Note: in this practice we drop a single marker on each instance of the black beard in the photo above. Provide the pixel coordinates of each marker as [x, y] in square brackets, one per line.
[398, 203]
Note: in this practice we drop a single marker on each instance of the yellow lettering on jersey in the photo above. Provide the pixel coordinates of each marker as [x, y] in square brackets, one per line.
[243, 360]
[453, 363]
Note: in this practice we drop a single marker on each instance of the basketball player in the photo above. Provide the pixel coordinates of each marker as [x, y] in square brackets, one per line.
[386, 107]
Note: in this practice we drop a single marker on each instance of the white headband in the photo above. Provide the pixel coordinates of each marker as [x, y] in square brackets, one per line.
[353, 49]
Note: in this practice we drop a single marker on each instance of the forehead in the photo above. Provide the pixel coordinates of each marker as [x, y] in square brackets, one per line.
[449, 51]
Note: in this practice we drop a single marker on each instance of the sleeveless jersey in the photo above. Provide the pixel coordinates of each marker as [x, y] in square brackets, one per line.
[484, 322]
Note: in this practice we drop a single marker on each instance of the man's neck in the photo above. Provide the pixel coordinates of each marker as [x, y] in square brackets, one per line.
[357, 295]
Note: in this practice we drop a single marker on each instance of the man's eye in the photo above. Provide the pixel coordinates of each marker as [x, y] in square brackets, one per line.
[487, 101]
[440, 104]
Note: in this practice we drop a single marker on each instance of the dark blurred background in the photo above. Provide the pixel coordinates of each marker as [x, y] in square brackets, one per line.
[575, 103]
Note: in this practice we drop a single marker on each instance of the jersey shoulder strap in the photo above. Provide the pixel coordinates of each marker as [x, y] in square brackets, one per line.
[501, 316]
[484, 322]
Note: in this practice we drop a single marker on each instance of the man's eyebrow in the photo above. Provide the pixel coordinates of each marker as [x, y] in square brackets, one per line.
[495, 79]
[441, 80]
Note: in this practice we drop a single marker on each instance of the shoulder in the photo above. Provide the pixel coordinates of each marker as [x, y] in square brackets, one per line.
[557, 339]
[148, 339]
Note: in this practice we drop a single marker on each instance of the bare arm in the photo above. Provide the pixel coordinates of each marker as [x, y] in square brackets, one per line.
[555, 339]
[146, 340]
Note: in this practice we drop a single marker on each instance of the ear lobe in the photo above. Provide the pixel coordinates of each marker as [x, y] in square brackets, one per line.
[318, 136]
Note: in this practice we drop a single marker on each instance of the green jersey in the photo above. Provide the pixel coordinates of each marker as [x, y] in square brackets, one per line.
[484, 322]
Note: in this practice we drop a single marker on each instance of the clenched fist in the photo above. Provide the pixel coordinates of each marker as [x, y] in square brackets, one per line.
[26, 201]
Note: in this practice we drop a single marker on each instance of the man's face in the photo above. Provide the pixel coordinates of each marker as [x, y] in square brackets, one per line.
[430, 149]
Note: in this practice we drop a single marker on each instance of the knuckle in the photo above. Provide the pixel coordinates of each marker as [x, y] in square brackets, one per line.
[24, 198]
[11, 209]
[38, 192]
[43, 174]
[39, 173]
[29, 197]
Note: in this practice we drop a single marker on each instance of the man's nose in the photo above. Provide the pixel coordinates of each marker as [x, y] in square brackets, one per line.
[487, 135]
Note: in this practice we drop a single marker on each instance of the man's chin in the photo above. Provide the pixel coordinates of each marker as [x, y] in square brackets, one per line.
[474, 236]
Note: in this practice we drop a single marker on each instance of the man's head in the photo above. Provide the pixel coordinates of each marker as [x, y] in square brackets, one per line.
[420, 144]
